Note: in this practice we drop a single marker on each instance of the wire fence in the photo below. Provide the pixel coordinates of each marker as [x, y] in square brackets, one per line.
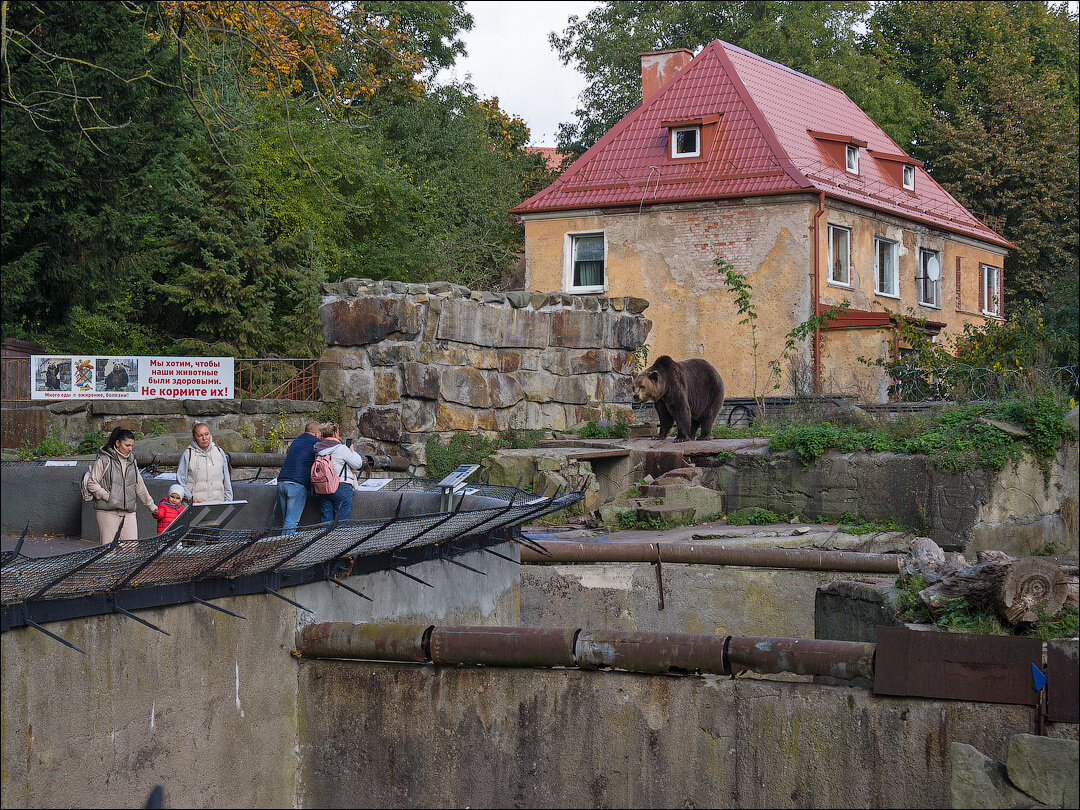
[960, 382]
[192, 554]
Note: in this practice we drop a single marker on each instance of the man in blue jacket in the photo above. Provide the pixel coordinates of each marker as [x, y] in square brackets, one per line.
[294, 480]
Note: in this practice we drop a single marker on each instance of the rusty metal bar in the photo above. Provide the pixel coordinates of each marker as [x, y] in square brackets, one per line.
[691, 553]
[503, 646]
[844, 660]
[369, 641]
[651, 652]
[144, 458]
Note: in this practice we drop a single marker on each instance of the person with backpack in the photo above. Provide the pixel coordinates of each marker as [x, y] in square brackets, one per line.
[333, 475]
[115, 486]
[294, 480]
[203, 470]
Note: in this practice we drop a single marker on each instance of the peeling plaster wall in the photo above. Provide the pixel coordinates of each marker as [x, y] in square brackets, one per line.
[666, 255]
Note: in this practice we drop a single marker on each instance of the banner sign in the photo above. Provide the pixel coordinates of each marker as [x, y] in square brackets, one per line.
[60, 377]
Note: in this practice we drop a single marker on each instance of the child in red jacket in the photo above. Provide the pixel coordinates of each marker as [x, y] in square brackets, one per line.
[169, 508]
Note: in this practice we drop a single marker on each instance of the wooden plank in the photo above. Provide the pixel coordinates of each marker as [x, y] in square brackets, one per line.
[956, 666]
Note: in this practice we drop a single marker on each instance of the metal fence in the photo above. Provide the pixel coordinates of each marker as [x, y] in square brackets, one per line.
[960, 382]
[194, 564]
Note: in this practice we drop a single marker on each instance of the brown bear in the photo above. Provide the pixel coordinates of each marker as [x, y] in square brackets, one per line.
[688, 393]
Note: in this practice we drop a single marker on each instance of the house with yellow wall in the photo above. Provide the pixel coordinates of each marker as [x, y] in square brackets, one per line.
[733, 156]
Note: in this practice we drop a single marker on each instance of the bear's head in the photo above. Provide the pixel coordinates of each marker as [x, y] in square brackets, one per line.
[648, 386]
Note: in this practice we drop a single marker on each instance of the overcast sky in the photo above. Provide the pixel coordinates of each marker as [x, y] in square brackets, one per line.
[509, 57]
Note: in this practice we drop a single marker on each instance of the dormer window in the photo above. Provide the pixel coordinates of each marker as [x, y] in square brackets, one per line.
[909, 178]
[685, 142]
[851, 154]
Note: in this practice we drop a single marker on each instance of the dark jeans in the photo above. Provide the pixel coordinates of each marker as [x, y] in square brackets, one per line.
[336, 506]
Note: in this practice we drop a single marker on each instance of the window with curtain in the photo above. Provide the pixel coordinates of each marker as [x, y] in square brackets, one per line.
[886, 272]
[588, 261]
[839, 255]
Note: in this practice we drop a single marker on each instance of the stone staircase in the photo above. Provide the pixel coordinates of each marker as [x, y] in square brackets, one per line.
[676, 497]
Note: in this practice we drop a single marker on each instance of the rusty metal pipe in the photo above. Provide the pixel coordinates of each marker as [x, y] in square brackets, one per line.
[504, 646]
[654, 653]
[644, 552]
[393, 463]
[651, 652]
[368, 641]
[838, 659]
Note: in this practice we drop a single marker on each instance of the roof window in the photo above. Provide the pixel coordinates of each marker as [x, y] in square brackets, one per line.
[909, 178]
[685, 142]
[851, 158]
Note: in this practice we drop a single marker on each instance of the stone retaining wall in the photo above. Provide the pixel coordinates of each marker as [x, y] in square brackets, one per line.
[412, 360]
[70, 419]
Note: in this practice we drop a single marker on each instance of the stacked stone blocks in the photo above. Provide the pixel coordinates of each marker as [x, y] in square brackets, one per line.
[411, 360]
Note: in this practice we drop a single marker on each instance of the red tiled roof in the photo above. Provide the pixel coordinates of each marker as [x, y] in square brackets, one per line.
[763, 146]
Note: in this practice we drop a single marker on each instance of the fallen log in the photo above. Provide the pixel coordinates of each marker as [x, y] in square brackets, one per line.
[1016, 589]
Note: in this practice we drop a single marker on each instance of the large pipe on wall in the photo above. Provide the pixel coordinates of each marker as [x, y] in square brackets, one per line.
[563, 551]
[652, 653]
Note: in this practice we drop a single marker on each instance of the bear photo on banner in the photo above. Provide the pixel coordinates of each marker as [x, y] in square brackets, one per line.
[53, 374]
[117, 374]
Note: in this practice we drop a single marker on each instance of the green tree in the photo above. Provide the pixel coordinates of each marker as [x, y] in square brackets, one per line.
[819, 39]
[999, 88]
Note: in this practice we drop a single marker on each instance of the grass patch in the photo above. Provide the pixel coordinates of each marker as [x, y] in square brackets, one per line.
[49, 446]
[959, 616]
[758, 430]
[472, 448]
[853, 524]
[955, 438]
[754, 517]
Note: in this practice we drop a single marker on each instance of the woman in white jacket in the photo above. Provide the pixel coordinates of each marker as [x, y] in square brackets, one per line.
[203, 470]
[347, 463]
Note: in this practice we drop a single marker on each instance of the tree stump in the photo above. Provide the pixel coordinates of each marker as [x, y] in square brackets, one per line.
[1030, 583]
[1014, 588]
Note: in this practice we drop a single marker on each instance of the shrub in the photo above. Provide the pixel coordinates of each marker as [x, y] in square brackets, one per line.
[91, 442]
[754, 517]
[49, 446]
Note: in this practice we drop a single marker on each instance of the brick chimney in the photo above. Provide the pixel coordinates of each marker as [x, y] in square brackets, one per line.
[659, 66]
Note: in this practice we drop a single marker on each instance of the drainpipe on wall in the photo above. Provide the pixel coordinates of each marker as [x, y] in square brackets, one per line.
[816, 275]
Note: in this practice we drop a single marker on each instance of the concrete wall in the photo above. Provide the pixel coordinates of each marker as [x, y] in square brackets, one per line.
[388, 735]
[1015, 511]
[666, 255]
[211, 711]
[697, 598]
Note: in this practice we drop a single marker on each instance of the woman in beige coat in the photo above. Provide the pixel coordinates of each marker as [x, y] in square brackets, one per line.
[203, 470]
[116, 485]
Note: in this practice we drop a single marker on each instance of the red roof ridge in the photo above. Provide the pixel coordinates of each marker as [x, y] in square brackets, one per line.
[759, 118]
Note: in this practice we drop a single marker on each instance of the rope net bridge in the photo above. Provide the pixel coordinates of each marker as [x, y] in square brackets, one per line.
[197, 564]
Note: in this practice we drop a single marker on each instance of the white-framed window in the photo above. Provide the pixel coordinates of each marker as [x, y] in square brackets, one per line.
[851, 155]
[886, 269]
[685, 142]
[839, 255]
[929, 278]
[991, 290]
[909, 178]
[584, 262]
